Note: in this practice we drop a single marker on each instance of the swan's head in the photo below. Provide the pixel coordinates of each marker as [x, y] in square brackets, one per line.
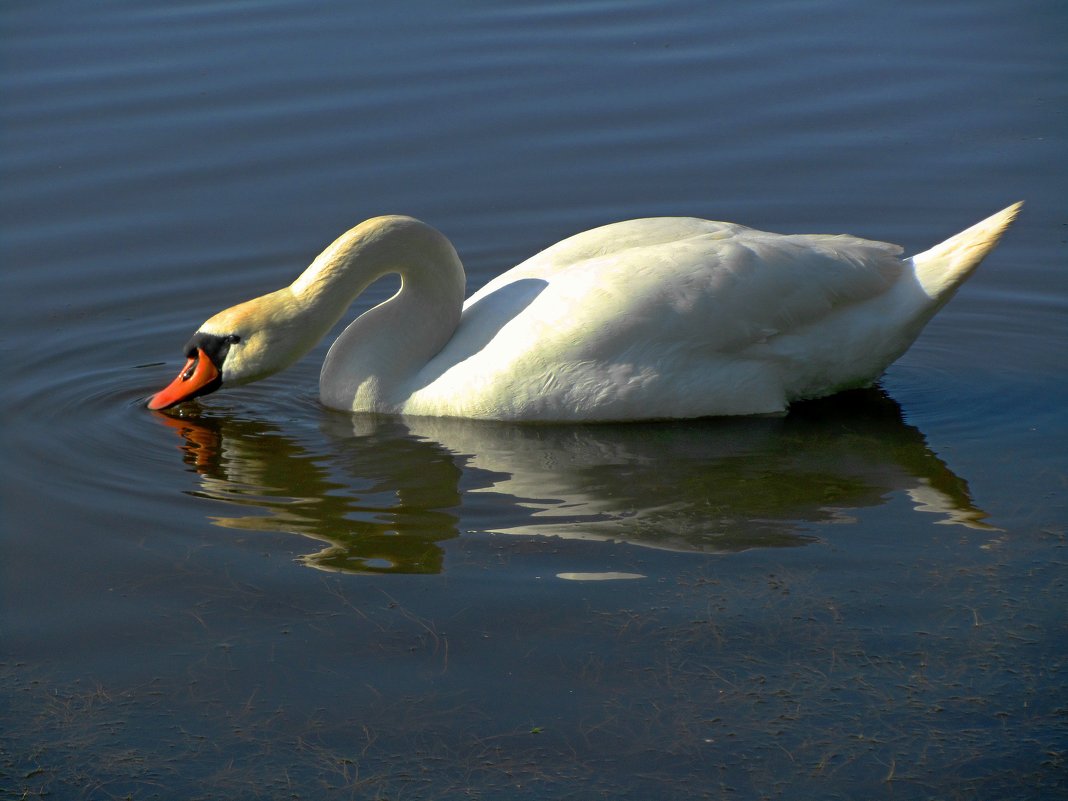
[240, 345]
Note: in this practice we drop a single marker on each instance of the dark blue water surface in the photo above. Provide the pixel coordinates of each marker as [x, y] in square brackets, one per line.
[260, 598]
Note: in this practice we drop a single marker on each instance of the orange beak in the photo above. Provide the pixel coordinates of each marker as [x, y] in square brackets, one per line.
[199, 377]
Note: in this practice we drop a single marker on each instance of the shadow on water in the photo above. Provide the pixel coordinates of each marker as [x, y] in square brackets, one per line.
[384, 494]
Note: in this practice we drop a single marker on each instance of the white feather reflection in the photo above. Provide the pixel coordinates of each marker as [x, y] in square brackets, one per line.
[384, 493]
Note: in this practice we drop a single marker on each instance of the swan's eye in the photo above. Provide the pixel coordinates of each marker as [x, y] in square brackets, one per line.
[213, 346]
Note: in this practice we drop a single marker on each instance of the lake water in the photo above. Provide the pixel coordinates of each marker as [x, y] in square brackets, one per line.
[259, 598]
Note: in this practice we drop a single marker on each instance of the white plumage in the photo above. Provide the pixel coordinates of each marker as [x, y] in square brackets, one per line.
[644, 319]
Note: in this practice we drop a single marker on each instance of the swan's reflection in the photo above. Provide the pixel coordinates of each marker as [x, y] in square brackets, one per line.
[382, 493]
[381, 501]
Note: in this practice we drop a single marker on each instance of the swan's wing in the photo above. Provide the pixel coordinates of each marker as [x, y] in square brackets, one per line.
[688, 284]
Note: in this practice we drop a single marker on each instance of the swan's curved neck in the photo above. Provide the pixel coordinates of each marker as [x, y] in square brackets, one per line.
[391, 342]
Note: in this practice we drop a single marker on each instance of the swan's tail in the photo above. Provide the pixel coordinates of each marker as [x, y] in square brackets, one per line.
[944, 267]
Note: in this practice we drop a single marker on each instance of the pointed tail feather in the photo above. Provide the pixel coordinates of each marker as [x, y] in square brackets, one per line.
[944, 267]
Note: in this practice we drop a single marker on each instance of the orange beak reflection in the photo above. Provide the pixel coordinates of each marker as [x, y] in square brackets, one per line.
[199, 377]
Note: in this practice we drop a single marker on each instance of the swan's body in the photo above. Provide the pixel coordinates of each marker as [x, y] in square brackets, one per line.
[652, 318]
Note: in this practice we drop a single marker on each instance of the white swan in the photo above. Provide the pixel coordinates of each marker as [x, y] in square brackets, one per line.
[645, 319]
